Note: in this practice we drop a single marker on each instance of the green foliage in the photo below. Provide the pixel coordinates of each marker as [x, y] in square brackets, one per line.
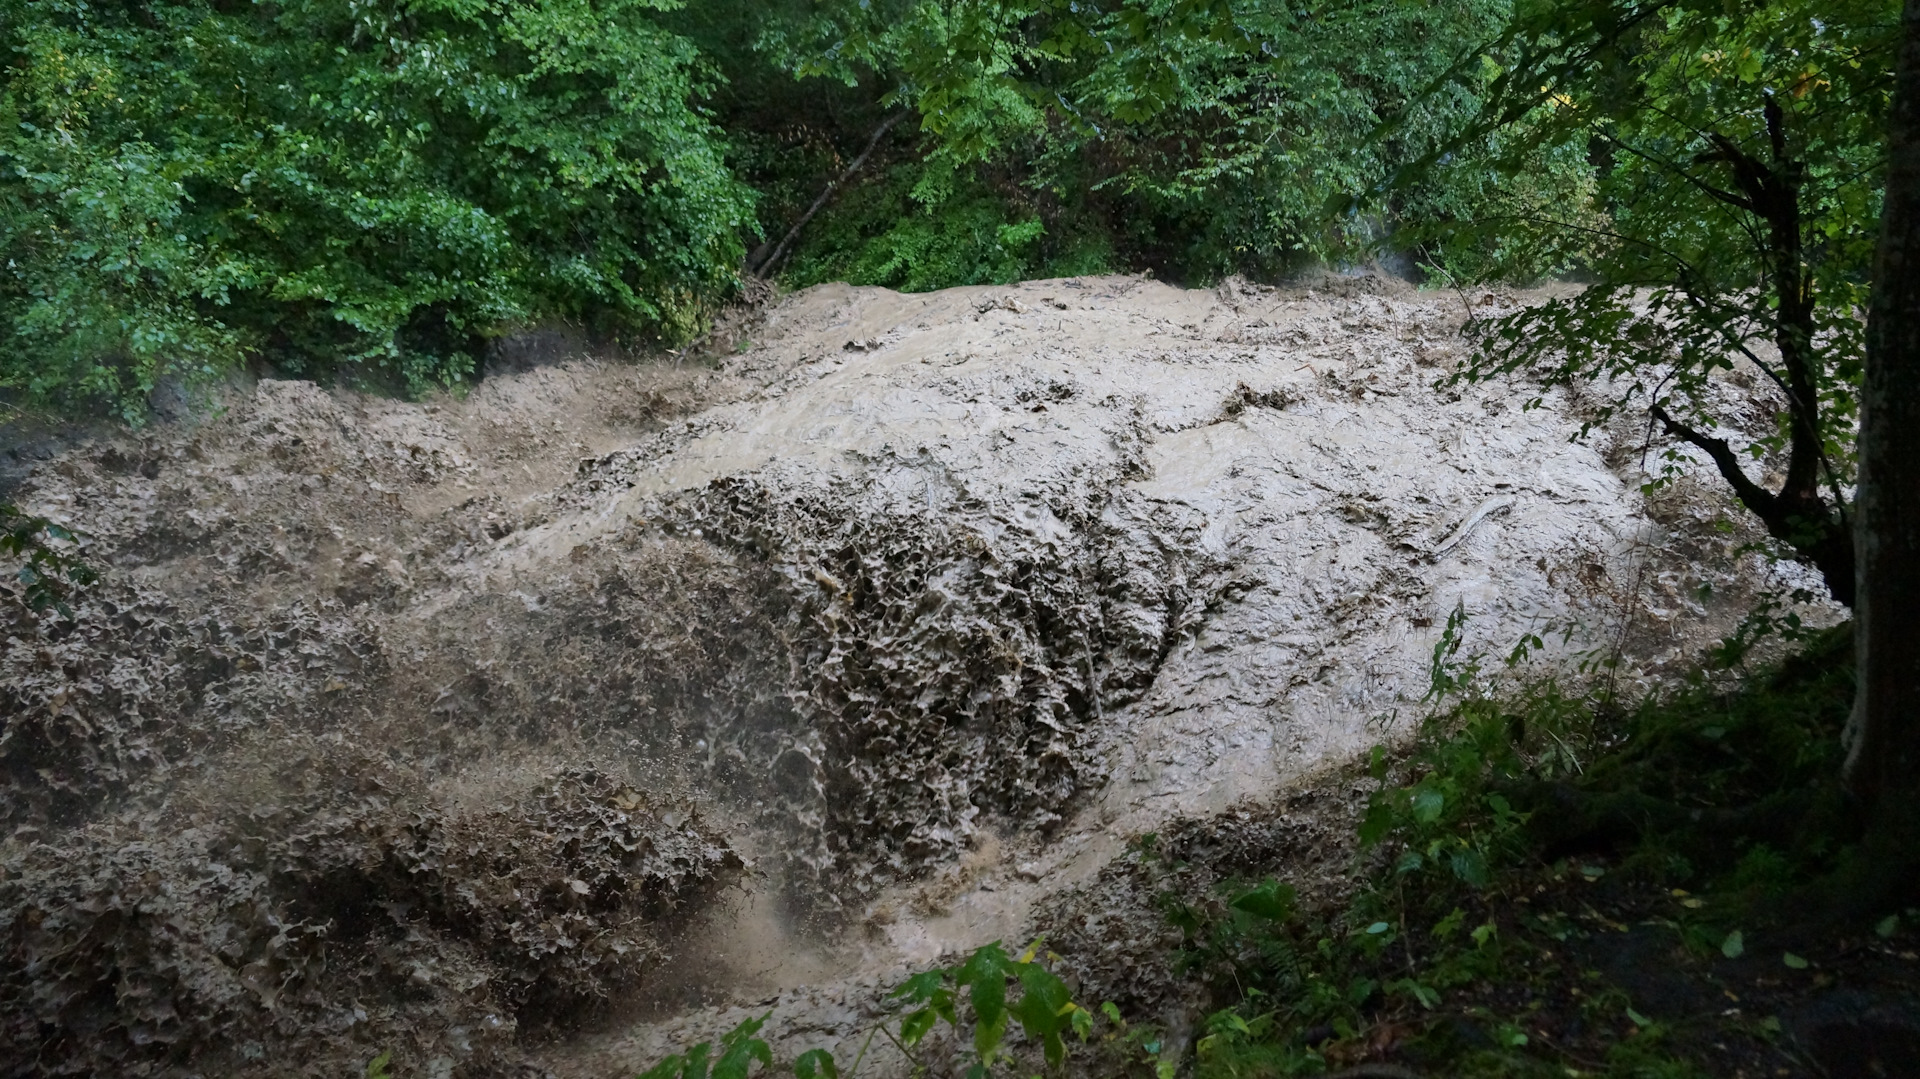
[1040, 1005]
[815, 1064]
[739, 1050]
[1201, 136]
[369, 187]
[1742, 158]
[52, 566]
[375, 189]
[1729, 794]
[372, 190]
[885, 234]
[1044, 1008]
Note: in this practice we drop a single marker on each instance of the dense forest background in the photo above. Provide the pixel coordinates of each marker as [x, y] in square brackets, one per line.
[374, 190]
[379, 187]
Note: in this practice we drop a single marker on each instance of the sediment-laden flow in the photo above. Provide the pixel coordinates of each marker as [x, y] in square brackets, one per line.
[417, 725]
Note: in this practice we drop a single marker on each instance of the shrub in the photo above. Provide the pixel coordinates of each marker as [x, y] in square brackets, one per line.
[361, 187]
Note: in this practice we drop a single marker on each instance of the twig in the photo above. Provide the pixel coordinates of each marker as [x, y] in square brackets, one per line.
[862, 1055]
[896, 1044]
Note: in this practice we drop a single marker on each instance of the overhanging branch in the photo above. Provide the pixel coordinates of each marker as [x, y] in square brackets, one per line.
[1762, 502]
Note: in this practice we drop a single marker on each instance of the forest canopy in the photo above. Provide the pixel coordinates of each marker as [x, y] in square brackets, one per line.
[373, 188]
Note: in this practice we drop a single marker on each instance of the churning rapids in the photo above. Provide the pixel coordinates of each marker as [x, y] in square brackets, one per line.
[543, 727]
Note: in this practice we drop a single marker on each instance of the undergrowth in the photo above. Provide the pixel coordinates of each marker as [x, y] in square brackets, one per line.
[1558, 884]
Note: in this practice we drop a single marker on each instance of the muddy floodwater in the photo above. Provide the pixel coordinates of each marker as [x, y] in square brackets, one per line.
[554, 724]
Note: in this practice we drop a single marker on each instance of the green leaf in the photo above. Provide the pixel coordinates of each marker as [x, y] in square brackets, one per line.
[815, 1064]
[1043, 1004]
[914, 1026]
[1638, 1019]
[697, 1060]
[942, 1005]
[670, 1068]
[984, 974]
[920, 988]
[739, 1049]
[1887, 926]
[1043, 1010]
[1793, 961]
[1359, 990]
[1054, 1049]
[1427, 804]
[1471, 867]
[1733, 945]
[1272, 900]
[1426, 995]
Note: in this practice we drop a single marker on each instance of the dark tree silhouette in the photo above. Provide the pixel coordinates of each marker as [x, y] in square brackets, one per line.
[1883, 758]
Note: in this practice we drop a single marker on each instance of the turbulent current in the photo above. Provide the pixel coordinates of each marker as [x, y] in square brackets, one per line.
[544, 726]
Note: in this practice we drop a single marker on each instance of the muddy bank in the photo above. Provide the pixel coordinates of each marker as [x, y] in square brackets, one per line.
[873, 635]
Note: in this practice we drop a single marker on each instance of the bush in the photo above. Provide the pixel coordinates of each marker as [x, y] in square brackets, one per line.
[370, 187]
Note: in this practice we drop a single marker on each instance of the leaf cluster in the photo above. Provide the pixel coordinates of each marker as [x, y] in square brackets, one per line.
[1044, 1008]
[996, 989]
[1203, 137]
[362, 187]
[737, 1052]
[52, 566]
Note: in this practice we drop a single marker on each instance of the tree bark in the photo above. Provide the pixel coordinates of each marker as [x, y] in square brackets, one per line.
[1883, 737]
[1807, 525]
[1797, 514]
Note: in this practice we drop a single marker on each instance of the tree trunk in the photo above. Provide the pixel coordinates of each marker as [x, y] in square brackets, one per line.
[1883, 738]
